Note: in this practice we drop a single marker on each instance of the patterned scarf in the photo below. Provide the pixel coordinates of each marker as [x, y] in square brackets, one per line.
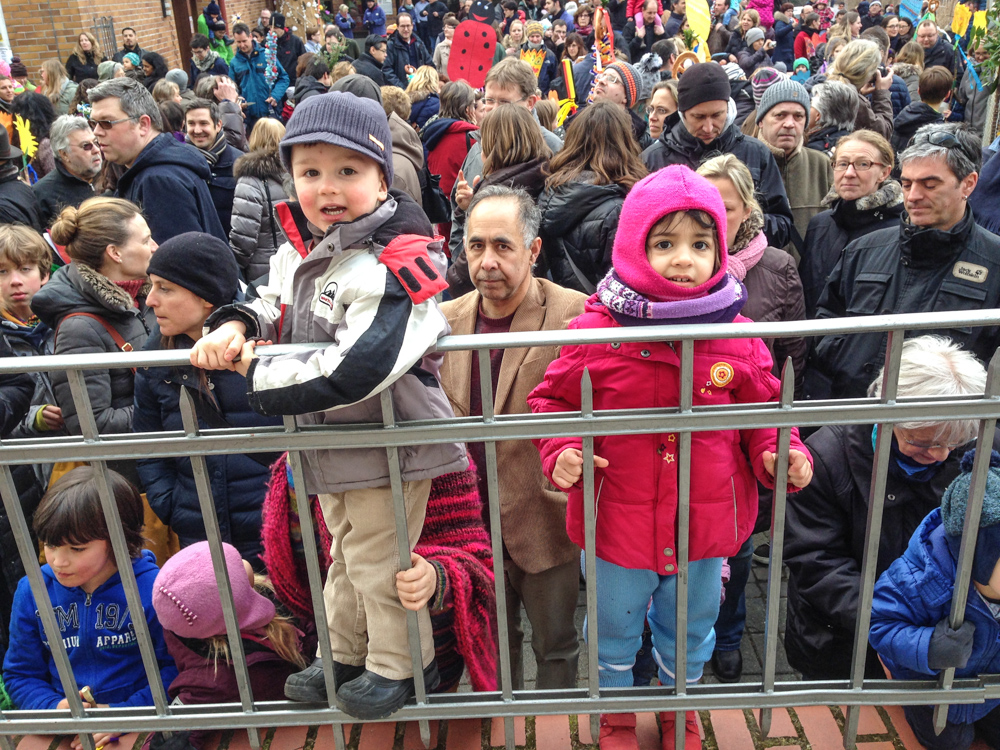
[749, 245]
[206, 65]
[630, 308]
[213, 152]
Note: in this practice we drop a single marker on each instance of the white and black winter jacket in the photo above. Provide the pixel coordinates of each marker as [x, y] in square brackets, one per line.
[367, 289]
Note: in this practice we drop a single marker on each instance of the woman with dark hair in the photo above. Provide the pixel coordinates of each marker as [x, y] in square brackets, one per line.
[83, 60]
[154, 67]
[575, 48]
[80, 104]
[173, 119]
[584, 192]
[38, 111]
[515, 155]
[182, 296]
[896, 41]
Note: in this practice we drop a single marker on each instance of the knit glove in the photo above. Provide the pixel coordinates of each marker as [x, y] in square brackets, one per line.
[950, 648]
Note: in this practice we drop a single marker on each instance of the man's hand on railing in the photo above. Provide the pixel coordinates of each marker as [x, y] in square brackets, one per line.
[569, 467]
[800, 471]
[417, 585]
[950, 648]
[219, 349]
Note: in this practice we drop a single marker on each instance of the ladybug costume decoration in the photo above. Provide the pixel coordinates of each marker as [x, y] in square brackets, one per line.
[474, 46]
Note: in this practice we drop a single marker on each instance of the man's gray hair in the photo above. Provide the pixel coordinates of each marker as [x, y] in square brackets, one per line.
[529, 215]
[60, 131]
[963, 152]
[134, 99]
[837, 104]
[936, 366]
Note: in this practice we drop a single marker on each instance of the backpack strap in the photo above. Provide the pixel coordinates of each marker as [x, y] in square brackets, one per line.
[408, 259]
[122, 344]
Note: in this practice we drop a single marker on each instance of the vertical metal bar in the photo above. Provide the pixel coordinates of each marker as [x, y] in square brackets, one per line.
[873, 531]
[496, 539]
[119, 547]
[403, 541]
[683, 531]
[29, 556]
[590, 549]
[970, 529]
[311, 550]
[777, 542]
[213, 535]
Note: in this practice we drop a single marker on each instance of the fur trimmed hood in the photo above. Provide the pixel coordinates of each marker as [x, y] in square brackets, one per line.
[106, 291]
[80, 288]
[887, 195]
[260, 164]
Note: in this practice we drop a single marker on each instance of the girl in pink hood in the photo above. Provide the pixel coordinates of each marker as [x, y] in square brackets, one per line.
[669, 266]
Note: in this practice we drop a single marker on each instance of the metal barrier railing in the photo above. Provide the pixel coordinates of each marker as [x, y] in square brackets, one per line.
[766, 694]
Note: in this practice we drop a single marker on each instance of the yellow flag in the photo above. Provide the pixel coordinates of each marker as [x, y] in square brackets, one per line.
[699, 19]
[979, 20]
[960, 19]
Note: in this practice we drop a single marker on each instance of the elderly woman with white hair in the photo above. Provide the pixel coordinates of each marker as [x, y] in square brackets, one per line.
[826, 522]
[858, 65]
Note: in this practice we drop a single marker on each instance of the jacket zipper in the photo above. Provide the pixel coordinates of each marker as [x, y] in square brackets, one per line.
[736, 520]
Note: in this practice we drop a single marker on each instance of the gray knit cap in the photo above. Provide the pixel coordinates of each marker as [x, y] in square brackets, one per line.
[344, 120]
[178, 76]
[754, 35]
[785, 90]
[953, 504]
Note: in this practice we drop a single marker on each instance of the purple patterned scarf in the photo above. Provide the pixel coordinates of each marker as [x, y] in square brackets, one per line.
[629, 308]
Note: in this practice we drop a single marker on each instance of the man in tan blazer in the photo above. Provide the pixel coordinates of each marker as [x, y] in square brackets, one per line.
[541, 564]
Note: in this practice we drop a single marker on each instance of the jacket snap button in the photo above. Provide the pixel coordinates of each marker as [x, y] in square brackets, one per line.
[185, 377]
[644, 352]
[890, 497]
[668, 552]
[616, 346]
[669, 568]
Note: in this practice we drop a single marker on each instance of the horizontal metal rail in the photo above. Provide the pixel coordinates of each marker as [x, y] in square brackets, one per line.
[389, 435]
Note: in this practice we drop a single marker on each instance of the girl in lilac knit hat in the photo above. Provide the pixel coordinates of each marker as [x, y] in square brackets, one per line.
[669, 267]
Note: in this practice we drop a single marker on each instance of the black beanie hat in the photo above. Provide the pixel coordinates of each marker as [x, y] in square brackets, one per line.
[199, 262]
[702, 82]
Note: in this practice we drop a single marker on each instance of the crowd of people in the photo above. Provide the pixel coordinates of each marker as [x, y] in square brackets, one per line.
[346, 191]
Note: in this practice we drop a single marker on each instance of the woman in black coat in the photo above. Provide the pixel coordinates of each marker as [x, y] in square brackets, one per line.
[587, 183]
[83, 60]
[860, 203]
[182, 296]
[826, 522]
[155, 69]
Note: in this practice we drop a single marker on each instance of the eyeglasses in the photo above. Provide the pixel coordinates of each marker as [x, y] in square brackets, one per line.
[89, 146]
[107, 124]
[497, 102]
[610, 78]
[859, 166]
[658, 111]
[926, 446]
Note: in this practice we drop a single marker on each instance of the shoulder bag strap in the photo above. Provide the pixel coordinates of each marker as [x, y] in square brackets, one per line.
[122, 344]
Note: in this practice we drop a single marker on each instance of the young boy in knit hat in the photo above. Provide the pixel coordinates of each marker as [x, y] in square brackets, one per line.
[910, 628]
[358, 275]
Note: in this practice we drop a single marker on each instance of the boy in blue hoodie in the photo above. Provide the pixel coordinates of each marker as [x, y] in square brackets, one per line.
[912, 602]
[86, 591]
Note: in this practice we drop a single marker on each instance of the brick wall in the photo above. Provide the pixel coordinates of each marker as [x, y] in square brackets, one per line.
[40, 29]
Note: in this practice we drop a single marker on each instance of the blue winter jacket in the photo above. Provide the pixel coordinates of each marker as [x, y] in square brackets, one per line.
[248, 72]
[913, 596]
[374, 20]
[99, 638]
[900, 95]
[238, 482]
[346, 25]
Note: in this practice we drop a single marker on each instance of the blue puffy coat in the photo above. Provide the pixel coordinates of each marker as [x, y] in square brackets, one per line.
[238, 482]
[423, 110]
[99, 638]
[899, 92]
[913, 596]
[374, 20]
[248, 72]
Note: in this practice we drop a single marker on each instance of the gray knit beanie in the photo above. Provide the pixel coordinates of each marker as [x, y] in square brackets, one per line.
[178, 76]
[953, 504]
[341, 119]
[785, 90]
[754, 35]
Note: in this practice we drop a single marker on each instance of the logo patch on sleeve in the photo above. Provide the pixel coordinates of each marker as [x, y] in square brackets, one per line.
[970, 272]
[329, 294]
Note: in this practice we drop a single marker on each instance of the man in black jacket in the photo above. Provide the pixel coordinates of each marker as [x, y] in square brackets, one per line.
[406, 53]
[78, 162]
[936, 50]
[289, 47]
[702, 126]
[130, 43]
[370, 63]
[203, 123]
[938, 260]
[168, 180]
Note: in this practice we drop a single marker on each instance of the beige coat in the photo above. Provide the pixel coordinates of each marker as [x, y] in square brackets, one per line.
[532, 511]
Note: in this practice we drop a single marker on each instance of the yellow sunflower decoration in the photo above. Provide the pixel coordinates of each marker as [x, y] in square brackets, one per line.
[25, 139]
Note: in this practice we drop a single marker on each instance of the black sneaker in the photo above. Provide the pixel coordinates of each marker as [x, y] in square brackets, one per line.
[309, 686]
[372, 697]
[762, 554]
[727, 665]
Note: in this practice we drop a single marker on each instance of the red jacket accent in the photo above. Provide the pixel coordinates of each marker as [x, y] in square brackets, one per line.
[448, 155]
[406, 256]
[804, 46]
[637, 492]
